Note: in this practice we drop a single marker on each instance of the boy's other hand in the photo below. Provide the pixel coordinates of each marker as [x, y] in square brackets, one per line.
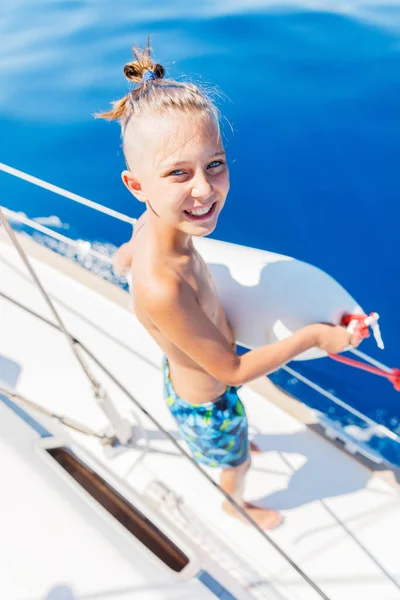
[122, 258]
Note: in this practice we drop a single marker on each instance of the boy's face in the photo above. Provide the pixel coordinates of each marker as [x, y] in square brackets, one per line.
[181, 167]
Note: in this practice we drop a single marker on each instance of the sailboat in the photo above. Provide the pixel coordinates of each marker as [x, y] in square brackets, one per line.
[100, 498]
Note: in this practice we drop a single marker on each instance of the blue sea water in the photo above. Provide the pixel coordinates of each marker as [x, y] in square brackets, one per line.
[312, 94]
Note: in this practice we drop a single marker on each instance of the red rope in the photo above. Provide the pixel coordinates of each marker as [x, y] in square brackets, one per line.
[393, 377]
[362, 329]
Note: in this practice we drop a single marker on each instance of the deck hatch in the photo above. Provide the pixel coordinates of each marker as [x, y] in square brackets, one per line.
[129, 516]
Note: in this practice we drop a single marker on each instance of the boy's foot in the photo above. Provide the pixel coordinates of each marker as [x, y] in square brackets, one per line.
[254, 449]
[264, 517]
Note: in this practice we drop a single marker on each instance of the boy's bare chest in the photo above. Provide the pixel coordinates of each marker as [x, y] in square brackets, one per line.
[200, 280]
[198, 277]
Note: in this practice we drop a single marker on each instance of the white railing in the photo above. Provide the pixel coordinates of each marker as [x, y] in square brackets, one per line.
[84, 247]
[70, 195]
[317, 388]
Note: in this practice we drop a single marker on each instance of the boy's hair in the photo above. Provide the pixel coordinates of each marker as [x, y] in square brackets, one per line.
[156, 94]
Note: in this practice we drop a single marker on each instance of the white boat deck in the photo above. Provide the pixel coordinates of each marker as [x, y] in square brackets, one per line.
[341, 523]
[57, 545]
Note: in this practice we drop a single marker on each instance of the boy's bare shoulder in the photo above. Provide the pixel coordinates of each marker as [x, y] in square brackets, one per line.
[154, 283]
[157, 285]
[156, 279]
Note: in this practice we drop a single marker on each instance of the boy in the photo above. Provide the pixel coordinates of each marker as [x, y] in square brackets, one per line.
[177, 168]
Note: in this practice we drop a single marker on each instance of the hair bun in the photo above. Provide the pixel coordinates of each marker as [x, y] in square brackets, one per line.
[133, 71]
[159, 71]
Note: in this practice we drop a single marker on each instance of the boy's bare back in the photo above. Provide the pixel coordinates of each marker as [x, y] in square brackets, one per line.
[152, 269]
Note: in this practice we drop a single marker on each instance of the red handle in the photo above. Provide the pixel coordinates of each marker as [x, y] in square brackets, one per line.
[363, 330]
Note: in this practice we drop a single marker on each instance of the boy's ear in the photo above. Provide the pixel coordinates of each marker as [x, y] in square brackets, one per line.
[133, 184]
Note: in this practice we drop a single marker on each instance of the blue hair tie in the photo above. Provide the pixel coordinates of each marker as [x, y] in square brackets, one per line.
[147, 75]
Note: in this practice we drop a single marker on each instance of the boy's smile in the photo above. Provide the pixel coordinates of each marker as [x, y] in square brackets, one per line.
[203, 213]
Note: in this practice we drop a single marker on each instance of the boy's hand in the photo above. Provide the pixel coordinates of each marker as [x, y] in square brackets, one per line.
[335, 338]
[122, 258]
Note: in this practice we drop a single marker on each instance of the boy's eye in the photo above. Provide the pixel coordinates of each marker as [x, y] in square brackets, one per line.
[215, 163]
[177, 172]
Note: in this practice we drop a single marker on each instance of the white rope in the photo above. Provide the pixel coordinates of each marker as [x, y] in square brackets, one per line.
[70, 195]
[351, 410]
[67, 421]
[84, 247]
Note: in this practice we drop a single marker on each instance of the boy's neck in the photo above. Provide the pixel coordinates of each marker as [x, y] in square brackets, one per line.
[169, 240]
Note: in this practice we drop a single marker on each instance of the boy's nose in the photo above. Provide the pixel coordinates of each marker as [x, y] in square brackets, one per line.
[202, 188]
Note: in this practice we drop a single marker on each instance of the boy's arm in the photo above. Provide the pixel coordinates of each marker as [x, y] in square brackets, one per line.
[172, 306]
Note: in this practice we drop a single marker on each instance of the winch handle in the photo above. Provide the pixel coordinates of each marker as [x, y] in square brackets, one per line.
[361, 323]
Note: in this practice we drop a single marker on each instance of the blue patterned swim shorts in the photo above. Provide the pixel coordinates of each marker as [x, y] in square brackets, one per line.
[216, 432]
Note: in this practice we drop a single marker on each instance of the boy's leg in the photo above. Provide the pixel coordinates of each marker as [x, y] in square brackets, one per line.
[232, 482]
[232, 479]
